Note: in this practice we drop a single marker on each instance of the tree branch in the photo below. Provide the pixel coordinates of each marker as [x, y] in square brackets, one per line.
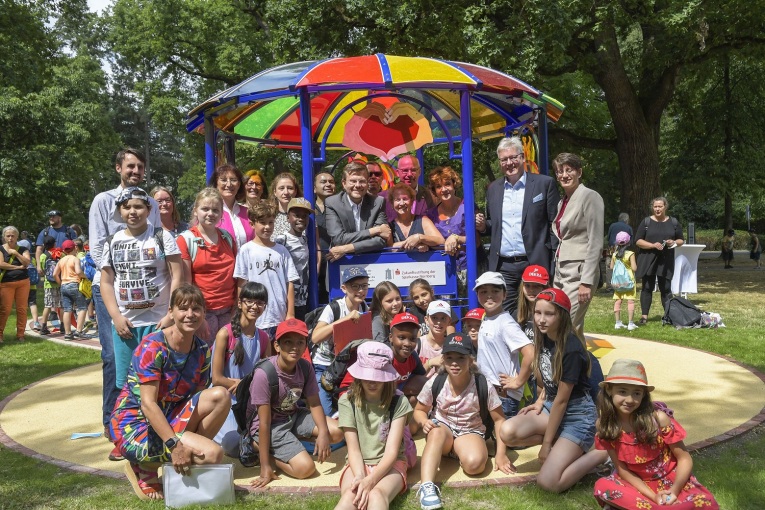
[584, 141]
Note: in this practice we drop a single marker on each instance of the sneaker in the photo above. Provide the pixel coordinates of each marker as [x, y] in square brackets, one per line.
[430, 496]
[631, 326]
[70, 336]
[619, 325]
[44, 330]
[36, 326]
[82, 335]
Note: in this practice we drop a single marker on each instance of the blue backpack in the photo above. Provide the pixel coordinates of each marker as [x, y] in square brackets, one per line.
[34, 276]
[88, 266]
[621, 281]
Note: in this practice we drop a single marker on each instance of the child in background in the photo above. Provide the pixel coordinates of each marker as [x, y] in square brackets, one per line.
[278, 422]
[355, 284]
[501, 343]
[262, 260]
[421, 294]
[627, 257]
[238, 346]
[52, 296]
[456, 425]
[471, 324]
[563, 417]
[297, 243]
[438, 318]
[376, 467]
[386, 303]
[653, 467]
[68, 273]
[34, 280]
[535, 279]
[138, 276]
[755, 249]
[728, 241]
[209, 255]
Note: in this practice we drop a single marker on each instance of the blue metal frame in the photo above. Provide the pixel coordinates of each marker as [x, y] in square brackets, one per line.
[307, 158]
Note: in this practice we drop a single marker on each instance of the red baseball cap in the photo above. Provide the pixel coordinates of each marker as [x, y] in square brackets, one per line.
[475, 313]
[67, 245]
[556, 297]
[291, 326]
[404, 318]
[536, 274]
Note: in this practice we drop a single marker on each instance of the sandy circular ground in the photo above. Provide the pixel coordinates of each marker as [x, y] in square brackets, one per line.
[713, 398]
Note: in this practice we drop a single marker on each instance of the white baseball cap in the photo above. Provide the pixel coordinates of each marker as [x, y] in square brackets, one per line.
[490, 278]
[439, 306]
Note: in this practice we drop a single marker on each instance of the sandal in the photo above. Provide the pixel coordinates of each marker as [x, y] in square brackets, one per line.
[145, 483]
[643, 321]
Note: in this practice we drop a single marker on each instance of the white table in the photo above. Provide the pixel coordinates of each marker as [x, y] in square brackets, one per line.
[686, 271]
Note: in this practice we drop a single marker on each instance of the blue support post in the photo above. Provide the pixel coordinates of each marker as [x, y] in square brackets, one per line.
[421, 159]
[544, 157]
[466, 133]
[306, 142]
[209, 147]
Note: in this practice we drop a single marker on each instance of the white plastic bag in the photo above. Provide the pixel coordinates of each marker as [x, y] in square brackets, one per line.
[204, 485]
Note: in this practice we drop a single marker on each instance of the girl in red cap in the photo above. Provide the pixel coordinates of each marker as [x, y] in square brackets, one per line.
[563, 417]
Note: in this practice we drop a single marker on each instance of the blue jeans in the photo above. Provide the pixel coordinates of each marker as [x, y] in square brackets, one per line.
[326, 398]
[510, 406]
[110, 390]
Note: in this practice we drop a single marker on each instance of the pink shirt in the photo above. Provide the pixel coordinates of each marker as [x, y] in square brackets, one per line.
[427, 352]
[462, 413]
[241, 217]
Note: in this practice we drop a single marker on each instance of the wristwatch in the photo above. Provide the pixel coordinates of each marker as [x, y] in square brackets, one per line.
[171, 443]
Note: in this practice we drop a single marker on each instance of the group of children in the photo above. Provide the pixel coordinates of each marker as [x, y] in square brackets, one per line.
[417, 373]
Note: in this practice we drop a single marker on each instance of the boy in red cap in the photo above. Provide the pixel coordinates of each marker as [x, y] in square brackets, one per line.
[471, 323]
[68, 273]
[277, 421]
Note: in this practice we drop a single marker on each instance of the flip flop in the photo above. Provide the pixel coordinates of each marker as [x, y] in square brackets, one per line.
[143, 487]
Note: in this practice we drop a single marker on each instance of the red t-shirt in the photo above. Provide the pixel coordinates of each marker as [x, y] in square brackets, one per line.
[212, 270]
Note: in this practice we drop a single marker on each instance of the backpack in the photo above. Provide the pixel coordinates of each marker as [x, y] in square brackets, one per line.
[482, 385]
[621, 281]
[50, 267]
[193, 242]
[70, 233]
[333, 376]
[647, 221]
[410, 449]
[88, 266]
[681, 313]
[157, 234]
[34, 276]
[262, 340]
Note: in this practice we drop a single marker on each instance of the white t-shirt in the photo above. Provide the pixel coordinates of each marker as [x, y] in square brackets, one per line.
[141, 278]
[500, 340]
[298, 248]
[462, 413]
[272, 267]
[325, 352]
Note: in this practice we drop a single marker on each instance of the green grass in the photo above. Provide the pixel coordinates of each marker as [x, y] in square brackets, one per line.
[733, 471]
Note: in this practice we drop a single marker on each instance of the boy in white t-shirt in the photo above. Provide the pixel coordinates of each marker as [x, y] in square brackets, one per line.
[140, 268]
[355, 283]
[500, 341]
[263, 261]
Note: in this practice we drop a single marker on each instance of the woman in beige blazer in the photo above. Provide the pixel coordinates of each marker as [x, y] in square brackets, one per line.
[579, 226]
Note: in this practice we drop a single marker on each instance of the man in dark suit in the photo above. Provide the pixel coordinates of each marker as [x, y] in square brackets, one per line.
[520, 209]
[356, 221]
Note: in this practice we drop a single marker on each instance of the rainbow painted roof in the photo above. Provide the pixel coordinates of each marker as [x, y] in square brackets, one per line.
[265, 107]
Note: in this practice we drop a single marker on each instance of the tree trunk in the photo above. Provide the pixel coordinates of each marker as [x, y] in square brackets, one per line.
[728, 141]
[637, 138]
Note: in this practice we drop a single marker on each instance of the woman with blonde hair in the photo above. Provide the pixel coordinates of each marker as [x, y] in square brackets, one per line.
[168, 212]
[255, 188]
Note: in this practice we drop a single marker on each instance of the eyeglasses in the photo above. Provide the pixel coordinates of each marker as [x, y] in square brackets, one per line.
[250, 303]
[510, 159]
[253, 184]
[165, 201]
[355, 287]
[228, 181]
[566, 171]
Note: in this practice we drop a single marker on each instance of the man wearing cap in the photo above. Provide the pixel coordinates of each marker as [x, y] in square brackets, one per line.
[408, 171]
[356, 221]
[298, 211]
[130, 165]
[55, 229]
[520, 208]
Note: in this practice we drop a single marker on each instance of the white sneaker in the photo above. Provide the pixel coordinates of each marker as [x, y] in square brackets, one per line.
[631, 326]
[619, 325]
[429, 496]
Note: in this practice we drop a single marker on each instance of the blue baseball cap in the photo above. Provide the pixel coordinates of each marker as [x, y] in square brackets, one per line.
[353, 272]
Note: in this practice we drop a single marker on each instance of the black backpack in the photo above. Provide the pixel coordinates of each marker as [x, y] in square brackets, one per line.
[243, 421]
[333, 376]
[681, 313]
[483, 398]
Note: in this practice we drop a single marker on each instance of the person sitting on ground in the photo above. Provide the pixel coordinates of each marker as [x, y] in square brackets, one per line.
[278, 422]
[68, 274]
[439, 318]
[168, 212]
[356, 221]
[166, 412]
[410, 232]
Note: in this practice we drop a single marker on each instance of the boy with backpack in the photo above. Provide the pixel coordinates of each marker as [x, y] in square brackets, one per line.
[623, 267]
[276, 422]
[296, 242]
[52, 289]
[355, 284]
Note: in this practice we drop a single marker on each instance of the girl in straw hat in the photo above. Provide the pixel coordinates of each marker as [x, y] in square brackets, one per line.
[653, 468]
[373, 418]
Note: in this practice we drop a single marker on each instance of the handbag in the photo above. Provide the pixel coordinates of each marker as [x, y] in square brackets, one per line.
[86, 288]
[203, 485]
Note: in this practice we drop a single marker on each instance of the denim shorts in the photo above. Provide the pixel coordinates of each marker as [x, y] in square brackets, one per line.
[578, 425]
[72, 298]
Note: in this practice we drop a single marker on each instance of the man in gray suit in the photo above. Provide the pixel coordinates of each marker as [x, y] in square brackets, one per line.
[356, 221]
[520, 208]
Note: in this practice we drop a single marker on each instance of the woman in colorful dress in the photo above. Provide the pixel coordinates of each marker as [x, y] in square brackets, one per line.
[166, 412]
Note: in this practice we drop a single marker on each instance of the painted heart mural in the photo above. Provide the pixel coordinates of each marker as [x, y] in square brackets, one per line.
[387, 130]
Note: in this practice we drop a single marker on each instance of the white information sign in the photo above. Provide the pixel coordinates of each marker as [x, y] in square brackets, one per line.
[403, 273]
